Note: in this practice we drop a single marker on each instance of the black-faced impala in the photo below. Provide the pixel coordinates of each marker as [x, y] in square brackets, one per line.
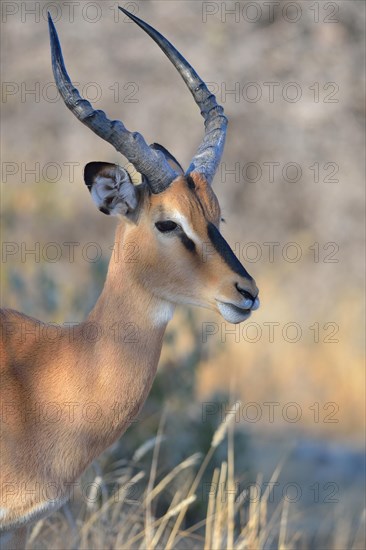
[173, 216]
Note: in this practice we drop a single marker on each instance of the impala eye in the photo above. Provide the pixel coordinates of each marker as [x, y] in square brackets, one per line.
[166, 226]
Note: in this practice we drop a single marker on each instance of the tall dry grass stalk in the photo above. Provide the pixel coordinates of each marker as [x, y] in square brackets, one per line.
[233, 521]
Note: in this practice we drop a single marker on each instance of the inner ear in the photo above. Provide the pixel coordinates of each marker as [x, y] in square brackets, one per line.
[111, 188]
[169, 157]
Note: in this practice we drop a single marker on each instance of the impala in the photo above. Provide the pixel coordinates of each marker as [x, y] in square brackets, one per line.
[173, 216]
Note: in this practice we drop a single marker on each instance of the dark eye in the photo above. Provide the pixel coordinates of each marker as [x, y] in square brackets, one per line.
[166, 226]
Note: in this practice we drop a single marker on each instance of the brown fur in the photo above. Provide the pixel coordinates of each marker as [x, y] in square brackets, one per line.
[50, 431]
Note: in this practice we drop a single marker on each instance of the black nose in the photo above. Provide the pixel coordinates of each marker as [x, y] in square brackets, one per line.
[248, 295]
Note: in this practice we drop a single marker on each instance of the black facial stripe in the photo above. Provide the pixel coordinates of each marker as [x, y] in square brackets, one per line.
[188, 243]
[225, 251]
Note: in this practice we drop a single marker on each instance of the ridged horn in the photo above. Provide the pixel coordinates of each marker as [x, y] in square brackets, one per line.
[209, 153]
[149, 162]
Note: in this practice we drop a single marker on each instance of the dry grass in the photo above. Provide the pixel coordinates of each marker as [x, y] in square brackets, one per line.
[233, 520]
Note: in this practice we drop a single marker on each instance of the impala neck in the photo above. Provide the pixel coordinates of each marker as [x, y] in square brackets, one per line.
[131, 322]
[125, 300]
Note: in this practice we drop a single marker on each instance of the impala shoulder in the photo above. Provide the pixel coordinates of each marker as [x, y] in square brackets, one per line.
[19, 336]
[18, 327]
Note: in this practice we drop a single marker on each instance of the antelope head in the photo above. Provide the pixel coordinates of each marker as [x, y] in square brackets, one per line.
[173, 215]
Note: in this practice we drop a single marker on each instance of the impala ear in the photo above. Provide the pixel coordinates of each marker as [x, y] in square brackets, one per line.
[169, 157]
[111, 188]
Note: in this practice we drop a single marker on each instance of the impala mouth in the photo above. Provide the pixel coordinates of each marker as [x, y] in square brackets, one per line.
[236, 314]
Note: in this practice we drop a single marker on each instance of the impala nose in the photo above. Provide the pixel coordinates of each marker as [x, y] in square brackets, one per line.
[251, 297]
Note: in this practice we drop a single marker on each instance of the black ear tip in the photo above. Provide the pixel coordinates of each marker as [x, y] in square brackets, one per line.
[89, 172]
[167, 154]
[92, 169]
[104, 210]
[159, 147]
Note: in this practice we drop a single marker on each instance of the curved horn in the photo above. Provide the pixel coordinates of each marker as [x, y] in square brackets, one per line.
[209, 153]
[149, 162]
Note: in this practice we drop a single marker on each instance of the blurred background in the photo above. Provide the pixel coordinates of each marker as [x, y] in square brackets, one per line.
[291, 78]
